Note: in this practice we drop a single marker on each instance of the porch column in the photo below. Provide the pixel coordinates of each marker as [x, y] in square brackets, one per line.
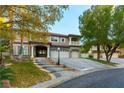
[69, 40]
[48, 51]
[32, 51]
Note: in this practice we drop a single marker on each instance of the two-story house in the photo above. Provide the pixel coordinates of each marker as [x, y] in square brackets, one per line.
[69, 46]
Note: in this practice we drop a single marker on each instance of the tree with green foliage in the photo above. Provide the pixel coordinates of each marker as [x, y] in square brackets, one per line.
[116, 33]
[103, 26]
[93, 24]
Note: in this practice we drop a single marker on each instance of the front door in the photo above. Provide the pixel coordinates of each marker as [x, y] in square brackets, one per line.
[41, 51]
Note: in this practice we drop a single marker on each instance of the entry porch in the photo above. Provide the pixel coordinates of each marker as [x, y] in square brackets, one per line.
[39, 50]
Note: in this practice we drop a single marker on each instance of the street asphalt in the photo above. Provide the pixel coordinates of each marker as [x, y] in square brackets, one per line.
[111, 78]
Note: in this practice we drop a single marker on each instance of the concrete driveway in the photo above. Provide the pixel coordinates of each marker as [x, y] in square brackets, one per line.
[81, 64]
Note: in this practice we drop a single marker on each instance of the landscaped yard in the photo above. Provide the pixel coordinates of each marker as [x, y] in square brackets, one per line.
[104, 62]
[27, 74]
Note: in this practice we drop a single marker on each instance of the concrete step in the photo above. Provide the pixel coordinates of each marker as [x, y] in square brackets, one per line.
[57, 74]
[39, 63]
[54, 70]
[48, 66]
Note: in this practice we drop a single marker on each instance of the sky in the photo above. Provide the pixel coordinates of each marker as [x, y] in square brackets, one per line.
[70, 22]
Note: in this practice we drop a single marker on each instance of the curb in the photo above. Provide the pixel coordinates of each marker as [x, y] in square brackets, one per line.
[78, 75]
[70, 78]
[57, 81]
[51, 83]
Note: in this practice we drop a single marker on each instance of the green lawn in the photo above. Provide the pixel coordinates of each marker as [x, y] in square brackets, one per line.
[103, 62]
[27, 74]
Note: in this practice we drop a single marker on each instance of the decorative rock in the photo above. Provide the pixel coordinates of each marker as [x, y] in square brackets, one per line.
[6, 83]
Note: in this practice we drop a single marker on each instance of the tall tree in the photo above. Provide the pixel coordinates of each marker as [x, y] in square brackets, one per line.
[95, 26]
[27, 20]
[86, 29]
[116, 33]
[102, 23]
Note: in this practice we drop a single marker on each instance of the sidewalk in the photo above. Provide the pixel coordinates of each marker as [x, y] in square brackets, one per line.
[119, 61]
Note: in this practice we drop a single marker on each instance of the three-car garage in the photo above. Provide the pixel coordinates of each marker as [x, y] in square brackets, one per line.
[64, 53]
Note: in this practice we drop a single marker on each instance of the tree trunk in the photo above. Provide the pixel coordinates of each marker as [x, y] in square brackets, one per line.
[21, 49]
[98, 52]
[11, 49]
[0, 58]
[109, 51]
[11, 29]
[107, 56]
[29, 45]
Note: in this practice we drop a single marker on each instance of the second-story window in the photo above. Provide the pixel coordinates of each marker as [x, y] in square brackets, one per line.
[74, 39]
[63, 40]
[55, 39]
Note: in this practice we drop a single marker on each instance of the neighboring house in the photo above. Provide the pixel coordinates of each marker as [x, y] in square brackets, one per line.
[121, 55]
[69, 47]
[93, 51]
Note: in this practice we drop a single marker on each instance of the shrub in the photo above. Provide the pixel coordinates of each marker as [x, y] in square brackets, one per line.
[90, 56]
[8, 59]
[1, 85]
[5, 74]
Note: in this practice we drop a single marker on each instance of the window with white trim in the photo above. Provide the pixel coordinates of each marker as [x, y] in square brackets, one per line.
[15, 50]
[63, 40]
[54, 39]
[25, 50]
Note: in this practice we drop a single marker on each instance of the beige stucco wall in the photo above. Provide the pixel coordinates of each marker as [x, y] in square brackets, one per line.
[115, 55]
[121, 51]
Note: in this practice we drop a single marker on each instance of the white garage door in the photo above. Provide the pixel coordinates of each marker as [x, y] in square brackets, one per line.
[63, 54]
[54, 54]
[75, 54]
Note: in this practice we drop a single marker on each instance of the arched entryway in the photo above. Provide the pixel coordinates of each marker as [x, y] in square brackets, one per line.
[41, 51]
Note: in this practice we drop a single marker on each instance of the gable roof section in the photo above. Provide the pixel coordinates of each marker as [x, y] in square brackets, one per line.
[73, 35]
[57, 34]
[63, 35]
